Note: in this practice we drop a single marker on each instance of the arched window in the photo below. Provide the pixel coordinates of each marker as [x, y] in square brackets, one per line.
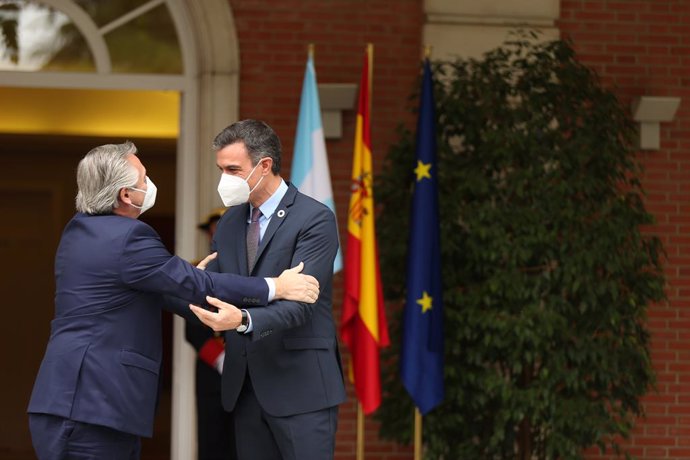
[131, 36]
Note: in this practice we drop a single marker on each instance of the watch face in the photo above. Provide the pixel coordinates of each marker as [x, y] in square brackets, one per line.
[241, 328]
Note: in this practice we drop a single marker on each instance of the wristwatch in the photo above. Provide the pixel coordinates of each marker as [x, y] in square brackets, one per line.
[244, 325]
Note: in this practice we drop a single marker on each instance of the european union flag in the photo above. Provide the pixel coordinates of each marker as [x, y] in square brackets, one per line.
[421, 360]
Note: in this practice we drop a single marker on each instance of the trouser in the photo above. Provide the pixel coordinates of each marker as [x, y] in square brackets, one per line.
[260, 436]
[59, 438]
[216, 433]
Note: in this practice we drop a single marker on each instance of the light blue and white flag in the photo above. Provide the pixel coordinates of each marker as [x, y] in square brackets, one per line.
[310, 173]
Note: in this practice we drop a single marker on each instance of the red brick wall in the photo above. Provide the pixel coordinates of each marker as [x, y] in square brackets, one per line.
[643, 48]
[273, 38]
[638, 47]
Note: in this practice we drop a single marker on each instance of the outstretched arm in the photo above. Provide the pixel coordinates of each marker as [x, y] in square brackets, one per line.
[289, 285]
[148, 266]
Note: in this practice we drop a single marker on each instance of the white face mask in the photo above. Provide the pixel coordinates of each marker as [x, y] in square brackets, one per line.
[234, 190]
[149, 196]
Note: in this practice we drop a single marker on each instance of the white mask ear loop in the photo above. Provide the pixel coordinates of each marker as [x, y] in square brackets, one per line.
[257, 184]
[149, 196]
[250, 175]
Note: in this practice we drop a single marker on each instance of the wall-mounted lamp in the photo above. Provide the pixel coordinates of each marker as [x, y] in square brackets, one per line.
[334, 98]
[650, 111]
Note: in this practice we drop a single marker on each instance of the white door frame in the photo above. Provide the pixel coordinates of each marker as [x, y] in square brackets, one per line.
[206, 31]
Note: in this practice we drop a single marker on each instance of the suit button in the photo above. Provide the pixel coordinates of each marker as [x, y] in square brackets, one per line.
[266, 333]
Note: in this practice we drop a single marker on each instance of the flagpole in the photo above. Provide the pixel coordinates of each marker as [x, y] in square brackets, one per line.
[370, 56]
[364, 328]
[360, 412]
[360, 432]
[417, 434]
[421, 356]
[418, 441]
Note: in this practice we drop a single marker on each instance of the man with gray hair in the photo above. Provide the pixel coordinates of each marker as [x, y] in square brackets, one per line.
[97, 387]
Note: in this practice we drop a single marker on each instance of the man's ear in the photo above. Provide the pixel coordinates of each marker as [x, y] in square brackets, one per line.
[266, 166]
[124, 196]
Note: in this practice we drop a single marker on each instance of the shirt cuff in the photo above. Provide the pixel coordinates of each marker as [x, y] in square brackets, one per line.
[271, 288]
[250, 328]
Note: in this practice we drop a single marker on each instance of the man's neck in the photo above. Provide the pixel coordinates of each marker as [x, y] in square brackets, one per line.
[126, 211]
[272, 184]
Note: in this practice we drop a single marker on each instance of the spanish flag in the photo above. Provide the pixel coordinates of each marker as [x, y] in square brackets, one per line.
[363, 326]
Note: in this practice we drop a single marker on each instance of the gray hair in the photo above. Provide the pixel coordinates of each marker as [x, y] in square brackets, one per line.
[101, 174]
[259, 139]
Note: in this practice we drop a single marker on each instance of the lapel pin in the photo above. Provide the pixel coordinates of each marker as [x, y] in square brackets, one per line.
[281, 213]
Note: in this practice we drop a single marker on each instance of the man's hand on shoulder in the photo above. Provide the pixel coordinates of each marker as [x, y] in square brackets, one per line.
[206, 260]
[292, 285]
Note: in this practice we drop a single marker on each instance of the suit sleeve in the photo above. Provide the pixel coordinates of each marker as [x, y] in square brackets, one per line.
[179, 307]
[316, 246]
[148, 266]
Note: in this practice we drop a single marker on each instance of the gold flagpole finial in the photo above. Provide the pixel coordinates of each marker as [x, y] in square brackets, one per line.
[427, 52]
[310, 50]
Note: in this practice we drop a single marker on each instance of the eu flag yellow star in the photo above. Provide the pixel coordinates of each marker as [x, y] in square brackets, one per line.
[425, 302]
[422, 170]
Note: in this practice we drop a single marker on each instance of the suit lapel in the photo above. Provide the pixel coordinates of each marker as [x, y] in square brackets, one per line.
[236, 236]
[279, 216]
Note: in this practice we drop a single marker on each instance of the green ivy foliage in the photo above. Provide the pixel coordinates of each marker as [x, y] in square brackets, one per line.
[547, 274]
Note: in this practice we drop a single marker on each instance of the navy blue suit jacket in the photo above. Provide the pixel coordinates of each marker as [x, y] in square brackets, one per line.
[292, 353]
[103, 357]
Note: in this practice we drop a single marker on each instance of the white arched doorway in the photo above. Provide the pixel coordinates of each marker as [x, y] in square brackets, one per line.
[206, 80]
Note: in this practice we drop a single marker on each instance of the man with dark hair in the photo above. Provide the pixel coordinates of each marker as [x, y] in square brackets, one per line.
[286, 381]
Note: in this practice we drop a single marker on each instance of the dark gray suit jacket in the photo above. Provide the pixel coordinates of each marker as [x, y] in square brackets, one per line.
[292, 353]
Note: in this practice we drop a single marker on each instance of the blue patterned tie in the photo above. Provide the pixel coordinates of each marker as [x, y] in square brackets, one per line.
[253, 238]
